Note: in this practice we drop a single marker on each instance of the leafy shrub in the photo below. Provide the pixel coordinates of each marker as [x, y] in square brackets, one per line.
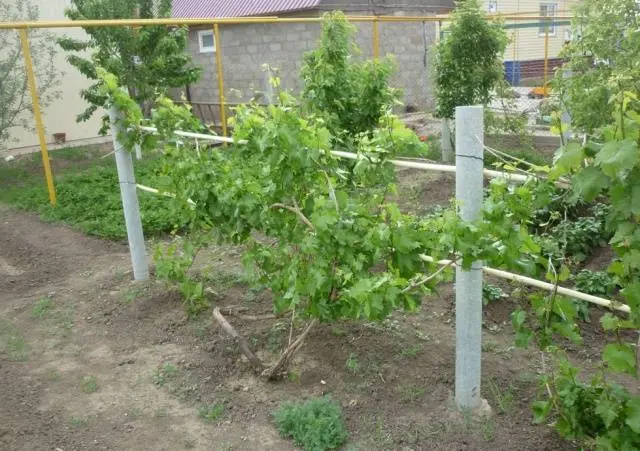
[601, 414]
[473, 46]
[351, 96]
[576, 238]
[597, 283]
[491, 293]
[316, 425]
[172, 265]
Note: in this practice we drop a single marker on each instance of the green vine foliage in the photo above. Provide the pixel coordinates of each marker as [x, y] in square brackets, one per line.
[329, 244]
[602, 59]
[351, 96]
[147, 60]
[468, 63]
[602, 98]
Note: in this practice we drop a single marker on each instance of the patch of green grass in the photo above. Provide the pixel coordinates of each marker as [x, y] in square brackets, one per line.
[411, 351]
[164, 373]
[12, 342]
[314, 425]
[89, 384]
[411, 393]
[133, 294]
[42, 307]
[503, 399]
[66, 317]
[338, 332]
[489, 346]
[352, 364]
[88, 197]
[487, 427]
[210, 412]
[293, 376]
[78, 421]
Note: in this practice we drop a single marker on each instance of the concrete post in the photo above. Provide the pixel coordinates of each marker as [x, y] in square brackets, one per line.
[445, 141]
[126, 176]
[469, 194]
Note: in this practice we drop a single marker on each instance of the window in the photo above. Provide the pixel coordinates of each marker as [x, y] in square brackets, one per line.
[206, 41]
[493, 6]
[548, 25]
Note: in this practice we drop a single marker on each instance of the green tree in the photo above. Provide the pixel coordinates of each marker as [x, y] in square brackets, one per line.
[148, 60]
[16, 104]
[468, 62]
[603, 59]
[351, 96]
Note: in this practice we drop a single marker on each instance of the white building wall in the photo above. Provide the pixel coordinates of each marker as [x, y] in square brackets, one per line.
[60, 115]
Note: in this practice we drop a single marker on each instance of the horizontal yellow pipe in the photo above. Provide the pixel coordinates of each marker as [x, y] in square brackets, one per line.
[235, 21]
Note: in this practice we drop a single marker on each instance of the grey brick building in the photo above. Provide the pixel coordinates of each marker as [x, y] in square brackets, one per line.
[246, 48]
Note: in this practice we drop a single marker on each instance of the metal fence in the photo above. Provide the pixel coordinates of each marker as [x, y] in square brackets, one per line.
[529, 60]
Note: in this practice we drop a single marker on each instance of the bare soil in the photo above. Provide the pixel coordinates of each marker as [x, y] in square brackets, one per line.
[91, 360]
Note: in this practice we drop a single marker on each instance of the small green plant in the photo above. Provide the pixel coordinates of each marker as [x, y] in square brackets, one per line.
[211, 412]
[65, 318]
[352, 364]
[473, 46]
[411, 393]
[575, 238]
[133, 294]
[165, 372]
[293, 376]
[503, 398]
[78, 421]
[491, 293]
[40, 308]
[597, 283]
[487, 427]
[12, 342]
[412, 351]
[315, 425]
[89, 384]
[172, 265]
[351, 94]
[338, 332]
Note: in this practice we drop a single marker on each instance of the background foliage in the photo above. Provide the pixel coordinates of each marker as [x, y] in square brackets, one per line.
[147, 60]
[468, 63]
[16, 104]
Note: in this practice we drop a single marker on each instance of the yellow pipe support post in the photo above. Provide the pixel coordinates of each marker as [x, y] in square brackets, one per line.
[546, 61]
[376, 38]
[223, 111]
[37, 114]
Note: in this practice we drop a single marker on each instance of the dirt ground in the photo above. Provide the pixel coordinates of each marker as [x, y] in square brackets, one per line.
[90, 360]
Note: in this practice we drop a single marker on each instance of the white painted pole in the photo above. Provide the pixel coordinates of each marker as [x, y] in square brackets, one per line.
[138, 152]
[469, 192]
[445, 141]
[126, 176]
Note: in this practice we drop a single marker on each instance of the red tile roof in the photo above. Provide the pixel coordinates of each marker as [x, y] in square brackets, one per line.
[192, 9]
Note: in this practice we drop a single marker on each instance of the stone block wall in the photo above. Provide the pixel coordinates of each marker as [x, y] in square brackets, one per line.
[247, 47]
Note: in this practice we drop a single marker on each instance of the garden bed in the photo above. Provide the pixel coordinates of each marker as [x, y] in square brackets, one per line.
[90, 359]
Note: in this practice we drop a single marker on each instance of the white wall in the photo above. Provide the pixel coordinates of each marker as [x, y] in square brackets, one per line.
[60, 115]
